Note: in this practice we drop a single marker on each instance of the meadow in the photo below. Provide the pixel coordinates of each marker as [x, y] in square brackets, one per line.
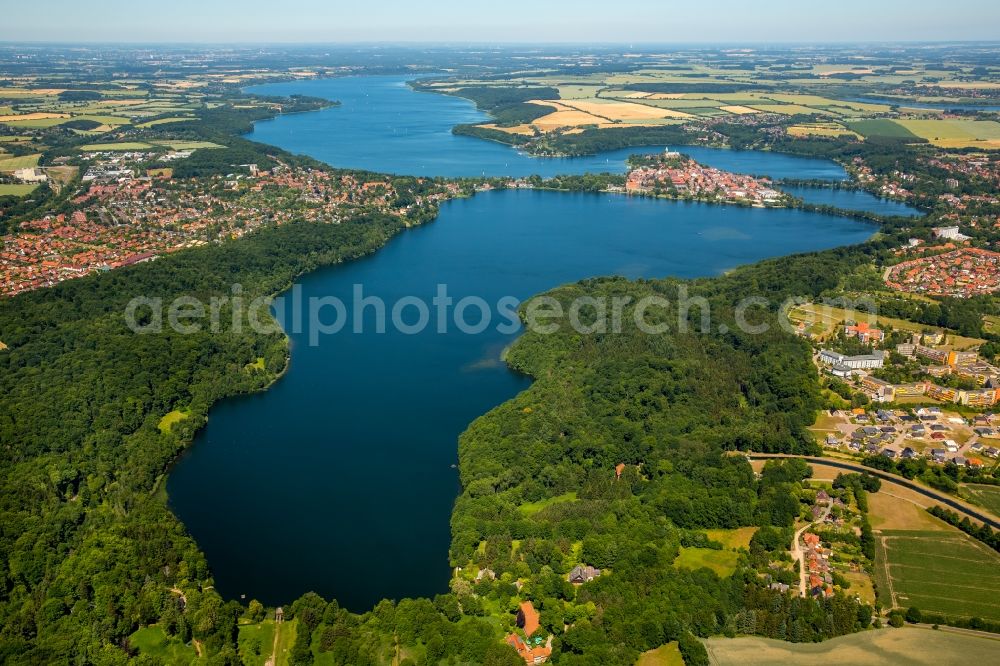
[154, 642]
[168, 421]
[665, 655]
[722, 562]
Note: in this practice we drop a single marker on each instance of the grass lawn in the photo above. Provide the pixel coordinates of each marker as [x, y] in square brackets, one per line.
[824, 421]
[945, 572]
[907, 646]
[22, 162]
[123, 145]
[256, 642]
[18, 190]
[531, 508]
[152, 641]
[665, 655]
[722, 562]
[168, 421]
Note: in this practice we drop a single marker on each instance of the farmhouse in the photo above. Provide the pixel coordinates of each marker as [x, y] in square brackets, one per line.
[532, 650]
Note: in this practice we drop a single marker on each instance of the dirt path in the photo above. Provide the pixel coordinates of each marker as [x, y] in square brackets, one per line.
[272, 660]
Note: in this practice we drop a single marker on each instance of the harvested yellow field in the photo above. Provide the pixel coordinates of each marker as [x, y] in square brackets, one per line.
[895, 510]
[982, 85]
[526, 130]
[738, 109]
[639, 95]
[32, 116]
[666, 96]
[626, 110]
[558, 119]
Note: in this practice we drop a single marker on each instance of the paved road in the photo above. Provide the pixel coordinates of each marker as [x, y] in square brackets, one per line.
[797, 555]
[947, 500]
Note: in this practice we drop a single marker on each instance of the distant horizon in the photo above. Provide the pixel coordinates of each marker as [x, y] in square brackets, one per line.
[495, 43]
[512, 22]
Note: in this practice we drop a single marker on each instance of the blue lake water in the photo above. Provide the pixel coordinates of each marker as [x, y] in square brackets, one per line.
[384, 125]
[851, 200]
[339, 478]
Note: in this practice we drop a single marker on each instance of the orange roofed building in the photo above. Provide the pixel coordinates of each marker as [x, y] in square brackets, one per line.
[530, 649]
[864, 332]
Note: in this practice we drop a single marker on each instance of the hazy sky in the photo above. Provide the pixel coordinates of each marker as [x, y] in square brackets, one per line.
[499, 20]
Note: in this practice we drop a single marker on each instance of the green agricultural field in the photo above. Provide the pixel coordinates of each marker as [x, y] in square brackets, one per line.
[123, 145]
[943, 572]
[722, 562]
[14, 139]
[880, 127]
[531, 508]
[18, 190]
[907, 646]
[985, 496]
[953, 133]
[21, 162]
[152, 641]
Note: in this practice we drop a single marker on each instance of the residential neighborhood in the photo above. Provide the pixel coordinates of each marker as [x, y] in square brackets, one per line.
[124, 215]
